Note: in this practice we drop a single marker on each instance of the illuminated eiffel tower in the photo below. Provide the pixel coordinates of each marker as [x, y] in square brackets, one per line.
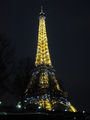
[43, 91]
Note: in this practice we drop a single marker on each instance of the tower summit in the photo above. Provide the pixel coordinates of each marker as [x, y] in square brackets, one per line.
[43, 91]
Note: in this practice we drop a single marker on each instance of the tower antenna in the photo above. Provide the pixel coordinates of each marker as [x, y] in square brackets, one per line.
[41, 8]
[42, 4]
[42, 12]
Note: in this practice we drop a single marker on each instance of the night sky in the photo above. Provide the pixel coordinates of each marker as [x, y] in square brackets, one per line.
[68, 30]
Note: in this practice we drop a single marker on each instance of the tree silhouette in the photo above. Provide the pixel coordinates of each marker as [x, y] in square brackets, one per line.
[23, 75]
[14, 75]
[7, 63]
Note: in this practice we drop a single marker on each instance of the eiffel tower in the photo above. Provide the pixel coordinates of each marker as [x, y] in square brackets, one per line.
[43, 92]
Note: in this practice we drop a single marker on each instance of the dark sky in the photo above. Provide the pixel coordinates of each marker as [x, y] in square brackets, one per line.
[68, 29]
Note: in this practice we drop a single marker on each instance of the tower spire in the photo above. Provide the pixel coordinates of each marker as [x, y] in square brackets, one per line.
[42, 56]
[42, 12]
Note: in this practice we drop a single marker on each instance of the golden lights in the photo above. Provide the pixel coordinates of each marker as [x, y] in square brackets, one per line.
[42, 56]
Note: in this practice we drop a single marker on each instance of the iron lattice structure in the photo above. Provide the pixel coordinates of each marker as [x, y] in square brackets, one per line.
[43, 91]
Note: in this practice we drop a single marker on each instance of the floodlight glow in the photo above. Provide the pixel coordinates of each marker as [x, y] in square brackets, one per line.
[0, 102]
[39, 107]
[19, 106]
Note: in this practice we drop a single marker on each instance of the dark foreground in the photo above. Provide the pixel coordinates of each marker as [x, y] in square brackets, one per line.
[45, 115]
